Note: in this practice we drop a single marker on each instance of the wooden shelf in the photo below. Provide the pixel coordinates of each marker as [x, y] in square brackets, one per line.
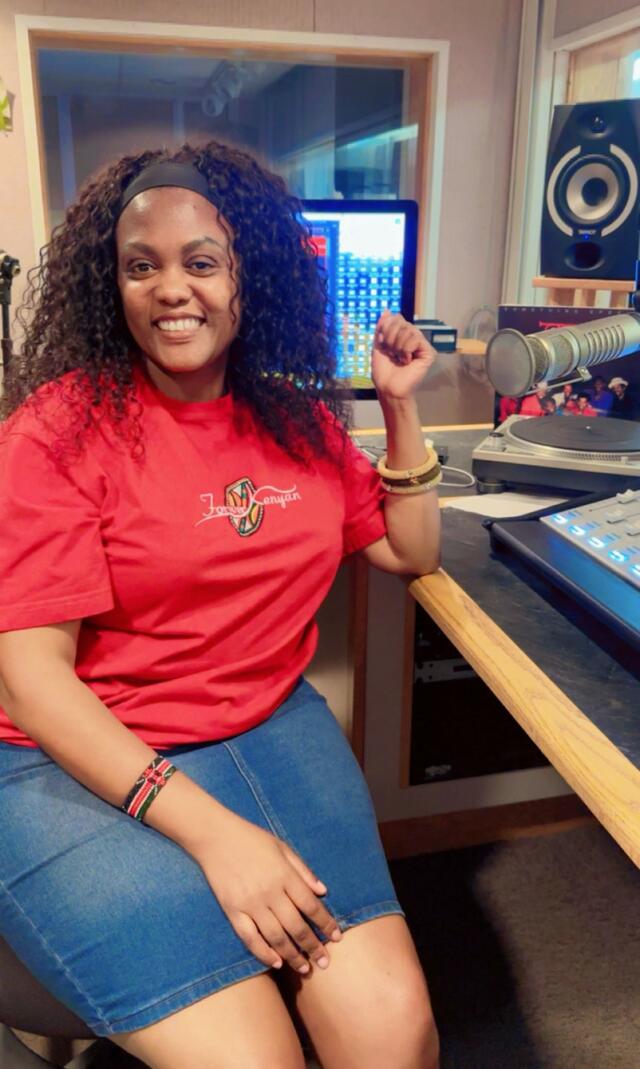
[581, 292]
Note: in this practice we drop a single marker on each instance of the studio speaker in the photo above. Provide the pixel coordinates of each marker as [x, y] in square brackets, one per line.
[591, 205]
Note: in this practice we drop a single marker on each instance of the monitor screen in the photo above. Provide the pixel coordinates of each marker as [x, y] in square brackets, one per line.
[367, 250]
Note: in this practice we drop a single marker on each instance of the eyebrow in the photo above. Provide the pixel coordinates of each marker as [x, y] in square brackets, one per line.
[140, 246]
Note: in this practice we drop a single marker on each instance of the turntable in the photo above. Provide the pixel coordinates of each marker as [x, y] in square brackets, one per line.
[572, 453]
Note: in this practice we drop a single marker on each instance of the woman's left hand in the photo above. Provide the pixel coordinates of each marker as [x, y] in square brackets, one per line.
[400, 357]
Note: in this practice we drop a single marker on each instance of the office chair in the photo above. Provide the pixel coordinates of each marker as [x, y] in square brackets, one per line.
[26, 1005]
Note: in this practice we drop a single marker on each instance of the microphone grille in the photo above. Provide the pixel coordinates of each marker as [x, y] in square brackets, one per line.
[559, 355]
[540, 358]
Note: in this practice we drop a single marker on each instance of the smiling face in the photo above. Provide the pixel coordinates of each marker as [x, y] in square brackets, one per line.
[177, 277]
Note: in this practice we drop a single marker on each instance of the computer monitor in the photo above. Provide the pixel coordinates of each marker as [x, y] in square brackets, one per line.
[367, 249]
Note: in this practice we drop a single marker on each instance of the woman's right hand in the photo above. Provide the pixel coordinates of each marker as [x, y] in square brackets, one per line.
[267, 892]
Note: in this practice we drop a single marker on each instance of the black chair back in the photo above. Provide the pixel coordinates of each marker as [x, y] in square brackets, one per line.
[25, 1004]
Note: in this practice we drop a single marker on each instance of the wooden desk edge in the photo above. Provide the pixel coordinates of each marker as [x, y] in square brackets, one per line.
[599, 773]
[427, 430]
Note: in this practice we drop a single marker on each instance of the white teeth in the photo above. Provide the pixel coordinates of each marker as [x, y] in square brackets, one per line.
[178, 324]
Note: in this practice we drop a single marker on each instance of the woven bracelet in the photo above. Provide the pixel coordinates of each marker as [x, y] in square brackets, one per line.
[147, 787]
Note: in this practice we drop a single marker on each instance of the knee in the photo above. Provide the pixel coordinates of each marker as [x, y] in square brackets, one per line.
[411, 1028]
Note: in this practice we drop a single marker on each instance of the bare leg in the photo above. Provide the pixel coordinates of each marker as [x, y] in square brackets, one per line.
[371, 1007]
[246, 1024]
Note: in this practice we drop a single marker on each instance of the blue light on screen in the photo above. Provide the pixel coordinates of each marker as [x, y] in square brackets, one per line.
[362, 254]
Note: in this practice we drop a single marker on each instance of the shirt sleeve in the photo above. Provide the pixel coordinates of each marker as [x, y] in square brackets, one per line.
[53, 566]
[364, 520]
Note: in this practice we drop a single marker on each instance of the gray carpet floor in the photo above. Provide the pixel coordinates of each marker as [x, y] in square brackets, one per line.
[532, 951]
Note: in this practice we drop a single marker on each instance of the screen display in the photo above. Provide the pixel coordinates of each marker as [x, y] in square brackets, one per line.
[367, 253]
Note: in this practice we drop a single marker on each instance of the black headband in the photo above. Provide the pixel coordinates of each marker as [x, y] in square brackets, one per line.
[166, 173]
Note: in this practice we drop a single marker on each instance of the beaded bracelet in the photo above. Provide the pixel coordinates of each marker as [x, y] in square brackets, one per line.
[147, 787]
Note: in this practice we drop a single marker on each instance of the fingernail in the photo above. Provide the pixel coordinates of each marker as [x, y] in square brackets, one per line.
[323, 961]
[323, 889]
[336, 935]
[277, 964]
[304, 968]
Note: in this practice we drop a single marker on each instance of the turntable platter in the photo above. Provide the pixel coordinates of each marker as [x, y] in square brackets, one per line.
[577, 434]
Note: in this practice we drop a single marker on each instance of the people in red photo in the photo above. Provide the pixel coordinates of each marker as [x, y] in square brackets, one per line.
[548, 406]
[509, 406]
[585, 408]
[566, 400]
[532, 404]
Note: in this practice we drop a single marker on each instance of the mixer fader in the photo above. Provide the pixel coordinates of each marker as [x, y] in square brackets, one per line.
[608, 530]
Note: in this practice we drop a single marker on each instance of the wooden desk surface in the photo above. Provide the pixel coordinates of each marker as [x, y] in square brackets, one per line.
[592, 765]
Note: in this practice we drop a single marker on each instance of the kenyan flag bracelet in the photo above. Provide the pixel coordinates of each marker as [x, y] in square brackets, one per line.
[147, 787]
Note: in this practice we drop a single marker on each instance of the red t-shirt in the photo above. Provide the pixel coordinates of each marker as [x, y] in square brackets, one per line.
[531, 406]
[197, 571]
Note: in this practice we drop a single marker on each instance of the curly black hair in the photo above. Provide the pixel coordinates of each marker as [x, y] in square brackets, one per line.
[281, 364]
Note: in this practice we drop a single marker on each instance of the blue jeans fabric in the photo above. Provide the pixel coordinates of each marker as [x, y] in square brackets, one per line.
[118, 921]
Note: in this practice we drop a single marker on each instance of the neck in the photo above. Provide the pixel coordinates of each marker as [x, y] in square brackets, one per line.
[203, 384]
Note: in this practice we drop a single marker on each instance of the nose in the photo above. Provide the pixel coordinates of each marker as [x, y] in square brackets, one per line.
[172, 286]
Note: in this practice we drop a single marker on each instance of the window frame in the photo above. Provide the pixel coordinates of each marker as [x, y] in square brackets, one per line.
[33, 31]
[543, 82]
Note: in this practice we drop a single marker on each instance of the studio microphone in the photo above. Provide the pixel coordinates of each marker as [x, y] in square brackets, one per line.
[515, 362]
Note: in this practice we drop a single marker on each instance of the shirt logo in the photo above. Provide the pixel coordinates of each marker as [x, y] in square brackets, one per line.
[245, 504]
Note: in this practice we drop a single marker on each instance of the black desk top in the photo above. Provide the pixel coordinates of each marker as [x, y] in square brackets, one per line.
[595, 670]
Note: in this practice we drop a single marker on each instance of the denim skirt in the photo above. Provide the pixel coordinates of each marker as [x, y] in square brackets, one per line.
[118, 921]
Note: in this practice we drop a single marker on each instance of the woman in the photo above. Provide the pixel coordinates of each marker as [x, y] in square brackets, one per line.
[177, 494]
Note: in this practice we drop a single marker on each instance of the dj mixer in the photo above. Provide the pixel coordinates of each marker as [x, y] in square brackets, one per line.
[590, 550]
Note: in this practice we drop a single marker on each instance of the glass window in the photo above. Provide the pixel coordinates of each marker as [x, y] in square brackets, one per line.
[606, 70]
[336, 128]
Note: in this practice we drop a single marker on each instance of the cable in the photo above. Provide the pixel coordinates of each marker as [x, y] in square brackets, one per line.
[471, 479]
[374, 452]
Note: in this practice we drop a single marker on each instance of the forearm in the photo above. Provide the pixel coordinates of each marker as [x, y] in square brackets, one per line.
[70, 723]
[413, 520]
